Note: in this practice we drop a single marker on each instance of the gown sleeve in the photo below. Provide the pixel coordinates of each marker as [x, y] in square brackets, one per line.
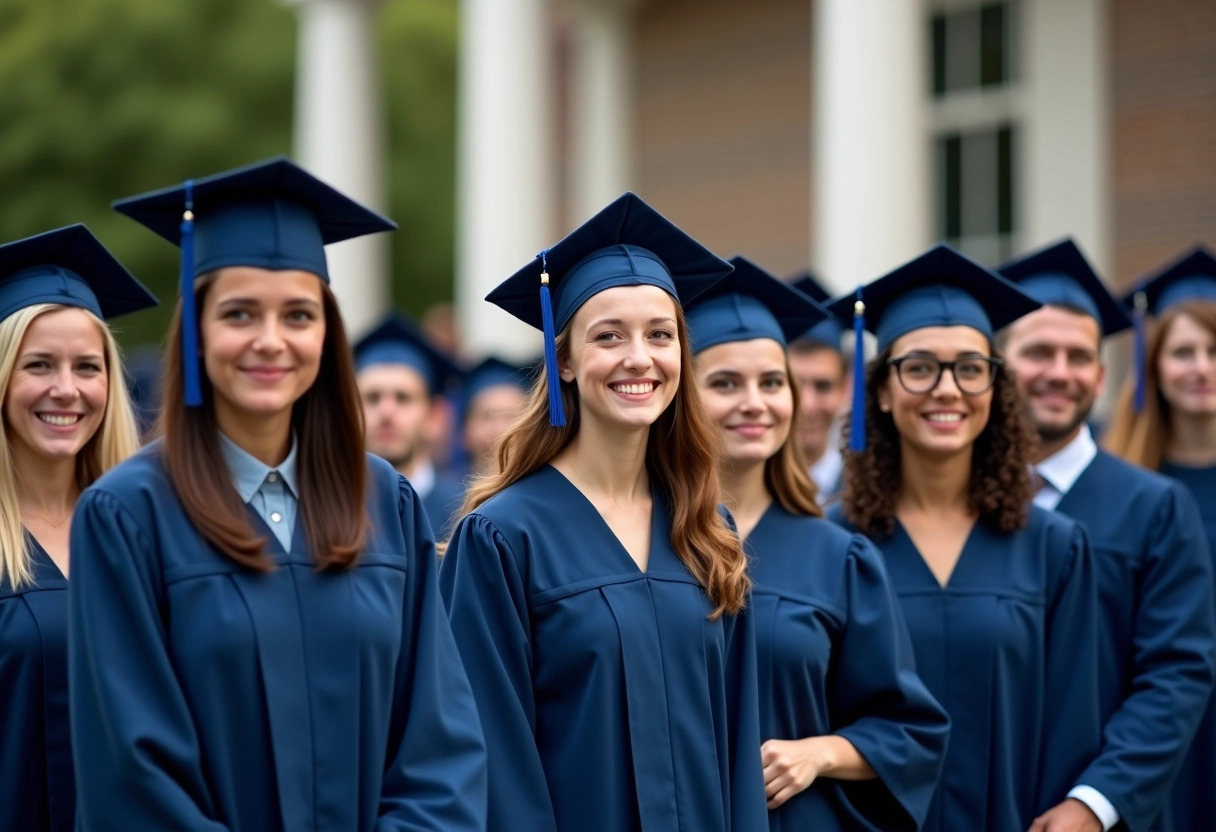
[1072, 729]
[1173, 646]
[137, 754]
[436, 777]
[487, 606]
[881, 706]
[748, 804]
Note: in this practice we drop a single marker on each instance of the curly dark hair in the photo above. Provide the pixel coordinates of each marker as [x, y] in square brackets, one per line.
[1000, 463]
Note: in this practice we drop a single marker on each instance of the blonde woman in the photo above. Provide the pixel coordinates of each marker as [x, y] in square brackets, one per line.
[67, 419]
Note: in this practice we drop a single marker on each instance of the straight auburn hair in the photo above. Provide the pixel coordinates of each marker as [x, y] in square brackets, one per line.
[328, 424]
[117, 436]
[1141, 438]
[681, 458]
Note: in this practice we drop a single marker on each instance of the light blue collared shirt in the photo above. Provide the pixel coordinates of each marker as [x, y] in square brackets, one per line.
[272, 492]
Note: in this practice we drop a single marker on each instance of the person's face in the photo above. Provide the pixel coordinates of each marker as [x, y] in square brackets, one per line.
[490, 413]
[943, 421]
[624, 356]
[746, 389]
[1186, 368]
[396, 407]
[1055, 355]
[821, 388]
[262, 334]
[57, 393]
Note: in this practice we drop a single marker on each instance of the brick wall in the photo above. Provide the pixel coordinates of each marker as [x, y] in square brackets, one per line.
[722, 121]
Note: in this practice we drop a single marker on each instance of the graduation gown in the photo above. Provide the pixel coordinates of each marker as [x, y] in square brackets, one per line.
[37, 792]
[442, 502]
[609, 698]
[834, 658]
[1009, 648]
[206, 696]
[1193, 804]
[1156, 637]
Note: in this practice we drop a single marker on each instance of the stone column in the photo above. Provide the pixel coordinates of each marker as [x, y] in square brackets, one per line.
[339, 138]
[871, 150]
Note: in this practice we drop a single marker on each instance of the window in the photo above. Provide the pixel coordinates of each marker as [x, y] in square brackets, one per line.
[974, 117]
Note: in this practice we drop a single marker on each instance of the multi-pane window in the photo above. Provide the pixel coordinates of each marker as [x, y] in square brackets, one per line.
[975, 129]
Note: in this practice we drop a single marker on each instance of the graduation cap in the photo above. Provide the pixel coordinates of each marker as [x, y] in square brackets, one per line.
[628, 243]
[68, 266]
[492, 372]
[1189, 277]
[828, 331]
[398, 340]
[749, 304]
[270, 215]
[939, 288]
[1059, 275]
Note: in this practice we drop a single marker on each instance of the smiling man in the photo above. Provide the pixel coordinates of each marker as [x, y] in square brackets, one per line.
[1154, 576]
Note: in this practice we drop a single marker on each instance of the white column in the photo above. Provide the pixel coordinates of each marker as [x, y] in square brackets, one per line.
[338, 137]
[505, 165]
[1066, 125]
[601, 127]
[871, 150]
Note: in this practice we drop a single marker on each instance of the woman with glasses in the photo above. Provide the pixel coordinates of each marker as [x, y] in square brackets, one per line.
[998, 595]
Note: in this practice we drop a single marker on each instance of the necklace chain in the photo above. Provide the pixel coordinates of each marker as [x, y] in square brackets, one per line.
[52, 523]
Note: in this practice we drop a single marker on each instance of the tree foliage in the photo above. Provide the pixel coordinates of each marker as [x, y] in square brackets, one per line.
[101, 99]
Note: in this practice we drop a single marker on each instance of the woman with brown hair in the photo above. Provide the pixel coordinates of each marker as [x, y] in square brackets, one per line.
[998, 595]
[66, 421]
[1165, 420]
[853, 740]
[595, 591]
[257, 639]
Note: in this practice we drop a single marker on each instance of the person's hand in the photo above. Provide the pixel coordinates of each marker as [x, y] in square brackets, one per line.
[1070, 816]
[792, 765]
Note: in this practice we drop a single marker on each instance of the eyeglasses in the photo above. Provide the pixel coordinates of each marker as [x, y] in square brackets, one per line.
[920, 374]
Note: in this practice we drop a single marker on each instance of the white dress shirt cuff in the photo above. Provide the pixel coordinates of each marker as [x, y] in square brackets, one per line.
[1108, 816]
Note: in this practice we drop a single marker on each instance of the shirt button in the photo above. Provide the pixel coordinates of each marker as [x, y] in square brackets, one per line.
[273, 476]
[275, 516]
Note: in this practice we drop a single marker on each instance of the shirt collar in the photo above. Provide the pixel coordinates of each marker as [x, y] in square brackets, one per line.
[825, 471]
[423, 479]
[249, 472]
[1062, 469]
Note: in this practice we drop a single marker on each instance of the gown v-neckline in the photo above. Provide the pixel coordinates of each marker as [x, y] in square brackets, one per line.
[950, 581]
[617, 544]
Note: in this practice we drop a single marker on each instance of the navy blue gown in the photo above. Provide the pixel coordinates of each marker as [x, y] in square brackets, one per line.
[207, 696]
[834, 658]
[609, 697]
[1009, 647]
[1194, 800]
[36, 783]
[442, 502]
[1157, 642]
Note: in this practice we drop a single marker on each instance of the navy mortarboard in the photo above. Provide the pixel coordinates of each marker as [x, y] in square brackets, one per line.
[828, 331]
[1059, 275]
[492, 372]
[628, 243]
[1189, 277]
[749, 304]
[271, 215]
[939, 288]
[68, 266]
[397, 340]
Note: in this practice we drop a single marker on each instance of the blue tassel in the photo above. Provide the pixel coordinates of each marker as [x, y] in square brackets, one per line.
[557, 415]
[194, 392]
[1139, 316]
[857, 419]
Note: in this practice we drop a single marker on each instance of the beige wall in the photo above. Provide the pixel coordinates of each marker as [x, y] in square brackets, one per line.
[1163, 109]
[722, 138]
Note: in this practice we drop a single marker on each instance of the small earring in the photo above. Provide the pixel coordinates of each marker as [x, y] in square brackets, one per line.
[884, 408]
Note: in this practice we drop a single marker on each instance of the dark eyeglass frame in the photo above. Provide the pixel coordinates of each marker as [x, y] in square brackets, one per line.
[898, 361]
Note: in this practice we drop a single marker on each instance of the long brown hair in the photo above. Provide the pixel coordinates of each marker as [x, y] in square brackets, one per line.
[1000, 461]
[328, 423]
[681, 458]
[1141, 438]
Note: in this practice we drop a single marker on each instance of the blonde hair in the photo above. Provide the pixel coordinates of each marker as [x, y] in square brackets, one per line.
[117, 436]
[1141, 438]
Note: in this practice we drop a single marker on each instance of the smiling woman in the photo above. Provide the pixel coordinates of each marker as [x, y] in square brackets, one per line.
[66, 420]
[259, 641]
[595, 592]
